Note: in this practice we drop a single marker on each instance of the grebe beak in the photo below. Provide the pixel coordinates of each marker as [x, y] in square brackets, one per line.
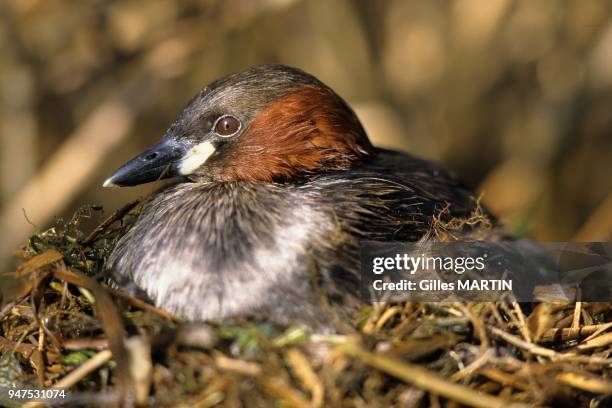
[159, 162]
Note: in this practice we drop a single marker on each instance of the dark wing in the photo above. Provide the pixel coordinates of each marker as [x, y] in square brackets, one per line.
[390, 197]
[395, 197]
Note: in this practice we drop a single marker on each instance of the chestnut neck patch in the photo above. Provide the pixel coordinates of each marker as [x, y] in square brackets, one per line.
[310, 130]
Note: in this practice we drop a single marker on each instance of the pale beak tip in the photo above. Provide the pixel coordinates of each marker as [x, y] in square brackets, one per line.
[109, 183]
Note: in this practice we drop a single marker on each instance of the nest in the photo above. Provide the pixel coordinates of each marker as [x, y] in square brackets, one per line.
[61, 326]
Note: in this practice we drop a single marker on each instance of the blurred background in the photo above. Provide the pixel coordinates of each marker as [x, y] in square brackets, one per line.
[514, 96]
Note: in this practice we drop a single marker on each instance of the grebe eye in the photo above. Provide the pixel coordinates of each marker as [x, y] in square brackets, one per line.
[227, 126]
